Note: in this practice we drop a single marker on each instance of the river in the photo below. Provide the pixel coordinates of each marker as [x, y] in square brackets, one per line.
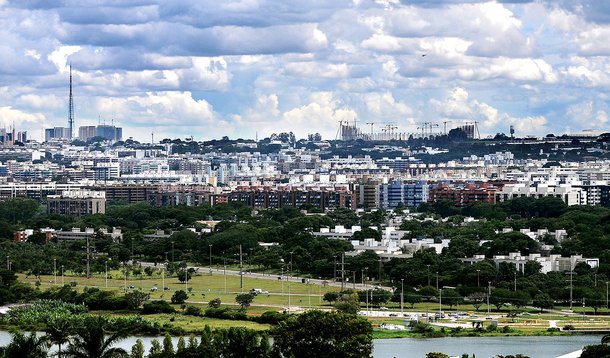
[483, 347]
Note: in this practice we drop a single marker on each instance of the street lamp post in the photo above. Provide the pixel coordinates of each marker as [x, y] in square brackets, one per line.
[106, 266]
[55, 271]
[173, 257]
[515, 274]
[437, 280]
[8, 262]
[478, 278]
[440, 303]
[62, 275]
[488, 293]
[402, 292]
[606, 295]
[210, 259]
[366, 270]
[335, 270]
[428, 267]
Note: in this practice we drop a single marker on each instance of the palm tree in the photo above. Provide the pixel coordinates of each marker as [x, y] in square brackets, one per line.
[23, 346]
[58, 331]
[90, 341]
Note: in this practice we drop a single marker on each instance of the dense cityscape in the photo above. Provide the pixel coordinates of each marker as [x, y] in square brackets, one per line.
[268, 179]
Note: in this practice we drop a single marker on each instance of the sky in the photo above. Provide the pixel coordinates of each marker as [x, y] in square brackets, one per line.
[247, 68]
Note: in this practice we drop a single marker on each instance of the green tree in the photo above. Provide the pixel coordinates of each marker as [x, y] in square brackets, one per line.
[179, 297]
[543, 301]
[135, 299]
[90, 340]
[331, 297]
[30, 346]
[58, 330]
[215, 303]
[476, 299]
[168, 346]
[451, 297]
[244, 299]
[323, 334]
[348, 303]
[436, 355]
[137, 350]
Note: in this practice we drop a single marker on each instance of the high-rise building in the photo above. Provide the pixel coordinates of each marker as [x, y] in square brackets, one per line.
[57, 133]
[86, 132]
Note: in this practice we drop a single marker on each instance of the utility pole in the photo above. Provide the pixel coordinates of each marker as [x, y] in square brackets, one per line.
[571, 284]
[488, 293]
[342, 270]
[88, 259]
[241, 269]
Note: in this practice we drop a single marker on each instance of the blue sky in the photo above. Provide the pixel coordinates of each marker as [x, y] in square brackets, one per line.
[211, 68]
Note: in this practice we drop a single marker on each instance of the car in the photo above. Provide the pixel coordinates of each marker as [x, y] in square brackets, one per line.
[153, 289]
[258, 291]
[131, 287]
[383, 308]
[166, 288]
[393, 315]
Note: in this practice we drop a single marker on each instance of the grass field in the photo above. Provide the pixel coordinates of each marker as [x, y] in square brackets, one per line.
[204, 287]
[283, 295]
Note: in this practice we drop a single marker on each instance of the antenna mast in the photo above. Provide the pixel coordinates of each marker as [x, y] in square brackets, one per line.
[70, 109]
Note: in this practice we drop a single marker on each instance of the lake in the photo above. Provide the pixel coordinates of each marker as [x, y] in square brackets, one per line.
[483, 347]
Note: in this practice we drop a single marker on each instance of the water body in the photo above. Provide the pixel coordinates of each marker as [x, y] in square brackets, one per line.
[483, 347]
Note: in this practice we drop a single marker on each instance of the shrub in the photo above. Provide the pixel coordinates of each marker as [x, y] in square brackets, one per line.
[158, 306]
[271, 317]
[568, 327]
[192, 311]
[226, 313]
[215, 303]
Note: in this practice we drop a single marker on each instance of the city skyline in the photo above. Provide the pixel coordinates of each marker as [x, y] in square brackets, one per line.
[247, 68]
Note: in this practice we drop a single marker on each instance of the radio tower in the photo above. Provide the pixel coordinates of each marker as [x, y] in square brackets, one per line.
[70, 109]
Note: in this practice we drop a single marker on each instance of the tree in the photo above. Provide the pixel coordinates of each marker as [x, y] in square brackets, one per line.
[58, 330]
[500, 297]
[135, 299]
[90, 340]
[184, 275]
[348, 303]
[30, 346]
[428, 293]
[215, 303]
[244, 299]
[543, 301]
[436, 355]
[179, 297]
[411, 298]
[476, 299]
[137, 350]
[451, 297]
[323, 334]
[331, 297]
[168, 346]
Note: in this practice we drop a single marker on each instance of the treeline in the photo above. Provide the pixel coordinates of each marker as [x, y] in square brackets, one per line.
[313, 333]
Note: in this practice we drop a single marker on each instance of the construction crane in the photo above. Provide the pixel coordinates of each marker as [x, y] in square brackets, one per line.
[431, 125]
[372, 123]
[423, 126]
[390, 128]
[340, 129]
